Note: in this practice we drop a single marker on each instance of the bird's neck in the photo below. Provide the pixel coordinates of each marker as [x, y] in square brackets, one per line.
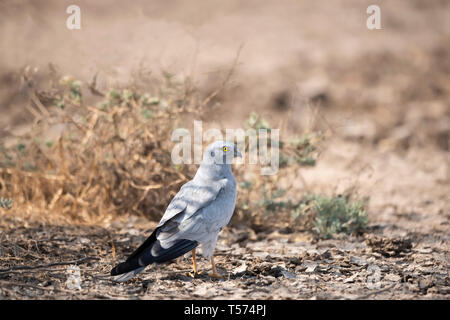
[212, 171]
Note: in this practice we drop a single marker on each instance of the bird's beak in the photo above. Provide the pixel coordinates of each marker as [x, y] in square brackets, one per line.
[237, 153]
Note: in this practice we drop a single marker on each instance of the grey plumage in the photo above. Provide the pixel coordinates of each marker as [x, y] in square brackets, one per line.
[194, 217]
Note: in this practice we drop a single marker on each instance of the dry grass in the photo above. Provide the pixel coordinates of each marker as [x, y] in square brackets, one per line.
[113, 158]
[85, 162]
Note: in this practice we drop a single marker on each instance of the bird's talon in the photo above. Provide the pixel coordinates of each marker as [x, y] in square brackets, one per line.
[215, 275]
[194, 275]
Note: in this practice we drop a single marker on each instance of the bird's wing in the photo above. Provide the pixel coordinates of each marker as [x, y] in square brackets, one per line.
[191, 198]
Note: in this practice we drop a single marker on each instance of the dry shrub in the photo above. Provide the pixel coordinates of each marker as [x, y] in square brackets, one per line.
[89, 161]
[86, 162]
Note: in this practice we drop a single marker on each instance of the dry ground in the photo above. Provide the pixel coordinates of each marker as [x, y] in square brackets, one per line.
[267, 265]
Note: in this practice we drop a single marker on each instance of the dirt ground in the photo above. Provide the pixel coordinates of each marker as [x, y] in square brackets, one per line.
[383, 96]
[265, 265]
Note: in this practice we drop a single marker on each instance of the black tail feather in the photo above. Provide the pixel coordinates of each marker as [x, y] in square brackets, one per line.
[125, 267]
[178, 249]
[152, 252]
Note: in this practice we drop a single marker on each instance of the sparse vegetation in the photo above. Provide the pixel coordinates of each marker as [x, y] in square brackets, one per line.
[115, 157]
[6, 203]
[326, 216]
[335, 215]
[112, 158]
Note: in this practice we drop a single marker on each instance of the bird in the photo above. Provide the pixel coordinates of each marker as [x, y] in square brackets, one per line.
[194, 218]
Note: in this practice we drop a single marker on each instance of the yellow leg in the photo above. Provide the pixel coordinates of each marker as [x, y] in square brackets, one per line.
[214, 273]
[194, 265]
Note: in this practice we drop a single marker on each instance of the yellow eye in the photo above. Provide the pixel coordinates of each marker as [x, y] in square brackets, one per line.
[225, 149]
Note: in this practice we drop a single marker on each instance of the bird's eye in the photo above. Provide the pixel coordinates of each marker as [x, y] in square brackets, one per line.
[225, 149]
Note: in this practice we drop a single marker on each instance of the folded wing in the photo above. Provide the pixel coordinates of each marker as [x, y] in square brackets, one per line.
[166, 243]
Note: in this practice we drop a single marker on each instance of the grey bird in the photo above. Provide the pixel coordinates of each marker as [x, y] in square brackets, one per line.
[194, 217]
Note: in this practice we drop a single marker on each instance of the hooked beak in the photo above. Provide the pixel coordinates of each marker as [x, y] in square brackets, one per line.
[237, 153]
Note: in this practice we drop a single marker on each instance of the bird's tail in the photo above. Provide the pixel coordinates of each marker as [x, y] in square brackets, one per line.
[127, 267]
[132, 263]
[128, 275]
[149, 252]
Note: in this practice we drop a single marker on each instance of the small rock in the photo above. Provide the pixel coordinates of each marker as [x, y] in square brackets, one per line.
[288, 274]
[276, 271]
[425, 250]
[310, 267]
[392, 277]
[357, 261]
[300, 268]
[201, 290]
[425, 284]
[133, 232]
[351, 279]
[84, 240]
[276, 256]
[295, 260]
[262, 255]
[325, 255]
[241, 269]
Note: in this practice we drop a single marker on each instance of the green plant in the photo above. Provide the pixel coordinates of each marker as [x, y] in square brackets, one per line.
[75, 91]
[302, 150]
[6, 203]
[256, 122]
[334, 215]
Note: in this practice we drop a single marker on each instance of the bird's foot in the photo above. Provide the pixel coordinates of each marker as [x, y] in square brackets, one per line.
[194, 274]
[215, 275]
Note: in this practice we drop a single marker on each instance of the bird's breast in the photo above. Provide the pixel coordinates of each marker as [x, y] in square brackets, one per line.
[220, 213]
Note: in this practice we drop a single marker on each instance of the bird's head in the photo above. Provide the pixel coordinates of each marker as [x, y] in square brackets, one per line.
[221, 152]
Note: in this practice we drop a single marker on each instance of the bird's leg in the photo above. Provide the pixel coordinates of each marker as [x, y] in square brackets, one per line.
[194, 265]
[214, 273]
